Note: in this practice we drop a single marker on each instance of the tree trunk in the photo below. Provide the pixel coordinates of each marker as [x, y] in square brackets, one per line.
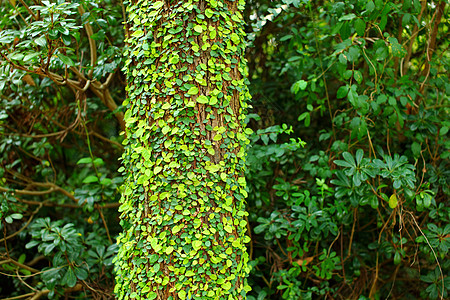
[183, 198]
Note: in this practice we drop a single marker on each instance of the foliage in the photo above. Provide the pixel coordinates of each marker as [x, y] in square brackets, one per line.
[361, 212]
[59, 145]
[183, 199]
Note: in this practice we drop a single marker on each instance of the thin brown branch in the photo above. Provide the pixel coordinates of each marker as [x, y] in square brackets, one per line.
[99, 208]
[42, 293]
[51, 188]
[20, 265]
[29, 10]
[414, 34]
[92, 44]
[431, 47]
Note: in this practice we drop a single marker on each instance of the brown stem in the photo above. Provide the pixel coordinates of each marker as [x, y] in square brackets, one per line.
[92, 44]
[414, 34]
[432, 44]
[20, 265]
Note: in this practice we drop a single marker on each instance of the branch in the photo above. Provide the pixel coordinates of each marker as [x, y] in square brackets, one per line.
[52, 188]
[431, 47]
[39, 294]
[20, 265]
[92, 44]
[29, 10]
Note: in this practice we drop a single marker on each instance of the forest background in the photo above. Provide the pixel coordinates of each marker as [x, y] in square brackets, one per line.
[358, 210]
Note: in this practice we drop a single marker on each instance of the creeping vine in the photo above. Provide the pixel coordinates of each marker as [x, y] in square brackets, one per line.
[183, 199]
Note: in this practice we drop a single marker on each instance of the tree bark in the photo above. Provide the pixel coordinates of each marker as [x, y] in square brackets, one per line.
[183, 198]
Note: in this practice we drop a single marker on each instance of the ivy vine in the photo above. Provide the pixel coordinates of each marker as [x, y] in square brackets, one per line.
[182, 205]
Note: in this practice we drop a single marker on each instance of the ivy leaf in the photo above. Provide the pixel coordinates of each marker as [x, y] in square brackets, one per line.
[235, 38]
[202, 99]
[137, 33]
[198, 28]
[193, 90]
[158, 4]
[209, 12]
[196, 244]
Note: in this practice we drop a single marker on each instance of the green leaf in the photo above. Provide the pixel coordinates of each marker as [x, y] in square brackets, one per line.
[16, 216]
[347, 17]
[30, 56]
[347, 74]
[349, 158]
[158, 4]
[84, 160]
[137, 33]
[359, 155]
[157, 170]
[198, 28]
[358, 76]
[397, 49]
[397, 258]
[202, 99]
[343, 163]
[305, 116]
[415, 148]
[360, 26]
[41, 41]
[370, 6]
[196, 244]
[193, 90]
[182, 294]
[235, 38]
[342, 92]
[226, 286]
[6, 39]
[393, 201]
[69, 278]
[209, 12]
[31, 244]
[66, 60]
[90, 179]
[81, 273]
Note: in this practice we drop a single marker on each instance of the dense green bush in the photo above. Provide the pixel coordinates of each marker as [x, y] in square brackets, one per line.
[360, 211]
[363, 210]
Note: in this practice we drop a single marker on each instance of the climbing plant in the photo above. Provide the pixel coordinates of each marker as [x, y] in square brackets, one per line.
[183, 198]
